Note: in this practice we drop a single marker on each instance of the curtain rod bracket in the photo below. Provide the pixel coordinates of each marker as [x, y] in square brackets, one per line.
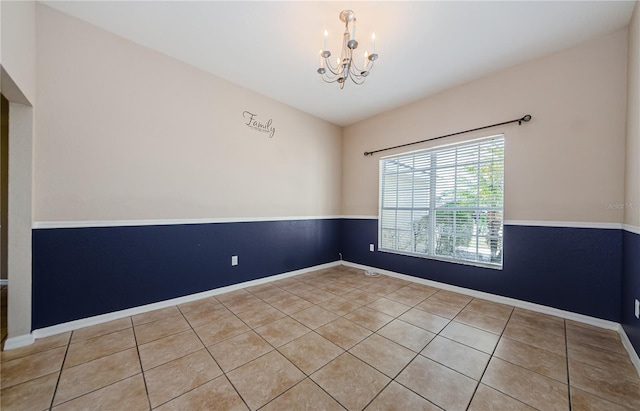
[525, 118]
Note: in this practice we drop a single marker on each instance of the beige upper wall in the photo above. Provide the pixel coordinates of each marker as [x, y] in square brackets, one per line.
[126, 133]
[632, 169]
[567, 164]
[143, 136]
[18, 49]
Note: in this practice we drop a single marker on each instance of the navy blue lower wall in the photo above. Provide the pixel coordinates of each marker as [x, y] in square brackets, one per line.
[631, 287]
[573, 269]
[82, 272]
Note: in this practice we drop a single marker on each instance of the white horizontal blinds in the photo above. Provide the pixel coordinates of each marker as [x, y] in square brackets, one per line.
[445, 202]
[405, 202]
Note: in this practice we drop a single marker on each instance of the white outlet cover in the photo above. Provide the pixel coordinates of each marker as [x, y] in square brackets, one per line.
[234, 260]
[371, 247]
[637, 308]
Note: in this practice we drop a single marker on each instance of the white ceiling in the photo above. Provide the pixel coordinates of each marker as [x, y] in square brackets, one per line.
[424, 47]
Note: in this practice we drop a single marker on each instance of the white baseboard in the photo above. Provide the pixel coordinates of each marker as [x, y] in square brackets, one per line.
[633, 355]
[103, 318]
[19, 341]
[609, 325]
[24, 340]
[585, 319]
[4, 282]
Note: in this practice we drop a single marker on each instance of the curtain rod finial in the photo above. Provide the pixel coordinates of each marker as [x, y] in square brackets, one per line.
[525, 119]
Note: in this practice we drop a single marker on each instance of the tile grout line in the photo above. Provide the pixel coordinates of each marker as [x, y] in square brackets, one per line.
[326, 364]
[601, 348]
[317, 304]
[144, 377]
[438, 335]
[566, 353]
[96, 389]
[224, 374]
[394, 378]
[55, 390]
[417, 353]
[520, 366]
[491, 356]
[308, 376]
[598, 395]
[378, 297]
[286, 358]
[139, 359]
[590, 365]
[414, 357]
[171, 399]
[450, 320]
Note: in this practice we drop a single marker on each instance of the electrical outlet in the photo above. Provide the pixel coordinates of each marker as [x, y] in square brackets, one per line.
[372, 247]
[637, 309]
[234, 260]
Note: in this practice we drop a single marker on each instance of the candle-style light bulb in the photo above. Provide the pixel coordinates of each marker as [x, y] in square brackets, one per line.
[321, 60]
[326, 35]
[353, 33]
[366, 60]
[373, 43]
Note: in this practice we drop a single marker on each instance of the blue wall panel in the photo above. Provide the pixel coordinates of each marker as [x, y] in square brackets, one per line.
[82, 272]
[631, 287]
[573, 269]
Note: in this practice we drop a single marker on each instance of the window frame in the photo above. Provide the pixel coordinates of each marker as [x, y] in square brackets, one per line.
[430, 253]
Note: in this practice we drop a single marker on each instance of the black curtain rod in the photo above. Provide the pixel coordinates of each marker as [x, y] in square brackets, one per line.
[519, 121]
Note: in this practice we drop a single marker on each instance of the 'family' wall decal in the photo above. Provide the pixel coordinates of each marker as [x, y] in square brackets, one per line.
[254, 123]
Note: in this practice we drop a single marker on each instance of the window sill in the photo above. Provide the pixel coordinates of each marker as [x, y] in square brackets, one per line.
[444, 259]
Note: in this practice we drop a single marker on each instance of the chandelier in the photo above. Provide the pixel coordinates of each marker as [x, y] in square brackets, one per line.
[346, 67]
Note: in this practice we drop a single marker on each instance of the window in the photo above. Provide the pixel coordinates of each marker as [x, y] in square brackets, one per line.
[445, 203]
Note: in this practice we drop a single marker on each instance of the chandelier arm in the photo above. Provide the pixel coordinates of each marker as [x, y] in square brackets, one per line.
[355, 71]
[359, 81]
[330, 73]
[369, 66]
[330, 66]
[328, 81]
[355, 66]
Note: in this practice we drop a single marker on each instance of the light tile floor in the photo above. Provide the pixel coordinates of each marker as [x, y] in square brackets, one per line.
[327, 340]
